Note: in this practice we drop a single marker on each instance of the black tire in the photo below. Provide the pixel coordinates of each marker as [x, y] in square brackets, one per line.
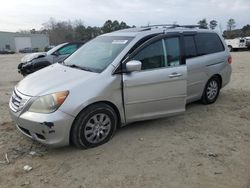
[230, 48]
[79, 132]
[208, 96]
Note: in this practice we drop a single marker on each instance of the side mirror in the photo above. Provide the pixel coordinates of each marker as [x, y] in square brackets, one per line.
[133, 65]
[56, 53]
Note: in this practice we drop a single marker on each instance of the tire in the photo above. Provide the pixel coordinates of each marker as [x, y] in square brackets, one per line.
[94, 126]
[211, 91]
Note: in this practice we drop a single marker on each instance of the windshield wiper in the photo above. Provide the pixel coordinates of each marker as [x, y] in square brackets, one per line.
[81, 68]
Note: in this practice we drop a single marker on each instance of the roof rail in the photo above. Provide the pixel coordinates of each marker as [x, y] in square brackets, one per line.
[169, 26]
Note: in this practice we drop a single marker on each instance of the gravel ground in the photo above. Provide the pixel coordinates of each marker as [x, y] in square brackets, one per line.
[208, 146]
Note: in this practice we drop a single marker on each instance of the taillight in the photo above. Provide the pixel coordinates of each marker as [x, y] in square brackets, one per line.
[230, 60]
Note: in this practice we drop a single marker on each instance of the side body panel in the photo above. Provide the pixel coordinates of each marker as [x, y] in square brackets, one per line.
[154, 94]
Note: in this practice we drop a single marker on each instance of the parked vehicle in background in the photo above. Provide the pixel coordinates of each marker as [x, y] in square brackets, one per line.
[238, 43]
[36, 61]
[118, 78]
[26, 50]
[6, 51]
[248, 42]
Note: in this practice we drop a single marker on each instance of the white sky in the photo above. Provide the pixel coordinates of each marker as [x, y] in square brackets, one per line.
[27, 14]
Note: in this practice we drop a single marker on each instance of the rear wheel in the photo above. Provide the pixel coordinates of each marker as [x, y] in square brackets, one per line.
[211, 91]
[94, 126]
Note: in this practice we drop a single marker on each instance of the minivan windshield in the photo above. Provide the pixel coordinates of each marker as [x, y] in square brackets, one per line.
[97, 54]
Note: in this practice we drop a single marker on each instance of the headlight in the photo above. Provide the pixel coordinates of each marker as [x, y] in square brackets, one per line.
[48, 103]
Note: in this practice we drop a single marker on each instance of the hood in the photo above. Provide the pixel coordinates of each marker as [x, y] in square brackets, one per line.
[32, 56]
[54, 78]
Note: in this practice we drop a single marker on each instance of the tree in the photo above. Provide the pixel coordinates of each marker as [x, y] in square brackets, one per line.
[67, 31]
[110, 26]
[231, 24]
[246, 30]
[203, 23]
[107, 27]
[213, 24]
[123, 25]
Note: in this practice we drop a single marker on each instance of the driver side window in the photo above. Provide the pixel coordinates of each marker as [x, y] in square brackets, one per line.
[152, 56]
[162, 53]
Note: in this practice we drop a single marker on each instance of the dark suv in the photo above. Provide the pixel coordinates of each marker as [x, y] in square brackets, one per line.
[36, 61]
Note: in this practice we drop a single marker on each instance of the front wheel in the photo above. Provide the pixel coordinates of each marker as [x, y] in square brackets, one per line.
[211, 91]
[94, 126]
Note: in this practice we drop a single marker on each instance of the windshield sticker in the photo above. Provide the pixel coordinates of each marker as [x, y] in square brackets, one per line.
[119, 41]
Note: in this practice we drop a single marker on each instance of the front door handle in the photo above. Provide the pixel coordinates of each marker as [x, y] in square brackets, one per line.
[175, 75]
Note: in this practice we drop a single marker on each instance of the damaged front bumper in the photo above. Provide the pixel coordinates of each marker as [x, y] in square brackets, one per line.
[25, 69]
[49, 129]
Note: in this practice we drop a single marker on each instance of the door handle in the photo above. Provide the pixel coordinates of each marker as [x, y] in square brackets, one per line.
[175, 75]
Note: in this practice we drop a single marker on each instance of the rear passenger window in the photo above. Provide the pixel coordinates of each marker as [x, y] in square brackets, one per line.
[208, 43]
[190, 48]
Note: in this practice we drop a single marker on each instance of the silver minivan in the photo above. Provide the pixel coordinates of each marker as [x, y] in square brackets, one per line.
[118, 78]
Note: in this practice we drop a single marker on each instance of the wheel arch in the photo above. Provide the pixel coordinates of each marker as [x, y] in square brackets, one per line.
[112, 105]
[219, 77]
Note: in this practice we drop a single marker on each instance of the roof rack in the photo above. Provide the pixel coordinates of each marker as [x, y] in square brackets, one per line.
[170, 26]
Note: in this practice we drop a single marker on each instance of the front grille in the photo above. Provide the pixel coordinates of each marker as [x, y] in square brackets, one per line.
[17, 101]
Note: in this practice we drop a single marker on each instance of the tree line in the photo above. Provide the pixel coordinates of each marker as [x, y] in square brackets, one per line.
[68, 31]
[230, 32]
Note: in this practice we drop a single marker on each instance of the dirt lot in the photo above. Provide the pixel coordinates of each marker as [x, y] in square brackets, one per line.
[208, 146]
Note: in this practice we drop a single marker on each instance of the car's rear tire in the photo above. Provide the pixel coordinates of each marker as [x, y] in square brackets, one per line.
[94, 126]
[211, 90]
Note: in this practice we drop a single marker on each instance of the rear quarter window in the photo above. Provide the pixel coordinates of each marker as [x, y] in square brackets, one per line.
[208, 43]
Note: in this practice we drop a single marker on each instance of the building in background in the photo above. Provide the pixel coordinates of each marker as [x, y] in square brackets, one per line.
[18, 41]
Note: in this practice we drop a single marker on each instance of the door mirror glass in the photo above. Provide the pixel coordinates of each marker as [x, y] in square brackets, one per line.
[133, 65]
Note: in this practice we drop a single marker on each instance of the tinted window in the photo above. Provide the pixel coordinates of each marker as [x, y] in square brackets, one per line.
[69, 49]
[172, 52]
[190, 48]
[208, 43]
[152, 56]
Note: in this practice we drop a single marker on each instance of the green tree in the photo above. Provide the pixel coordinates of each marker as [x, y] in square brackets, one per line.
[107, 27]
[123, 25]
[203, 23]
[246, 30]
[213, 24]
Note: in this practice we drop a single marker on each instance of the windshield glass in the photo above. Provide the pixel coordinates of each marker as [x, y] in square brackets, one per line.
[97, 54]
[51, 51]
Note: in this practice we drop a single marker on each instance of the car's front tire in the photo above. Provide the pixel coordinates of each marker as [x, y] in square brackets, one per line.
[211, 91]
[94, 126]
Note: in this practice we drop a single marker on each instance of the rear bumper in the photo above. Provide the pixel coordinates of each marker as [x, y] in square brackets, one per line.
[49, 129]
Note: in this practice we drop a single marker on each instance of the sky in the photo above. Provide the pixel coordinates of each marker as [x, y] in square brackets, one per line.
[16, 15]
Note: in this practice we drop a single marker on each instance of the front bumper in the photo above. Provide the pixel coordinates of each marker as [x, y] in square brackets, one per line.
[49, 129]
[25, 69]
